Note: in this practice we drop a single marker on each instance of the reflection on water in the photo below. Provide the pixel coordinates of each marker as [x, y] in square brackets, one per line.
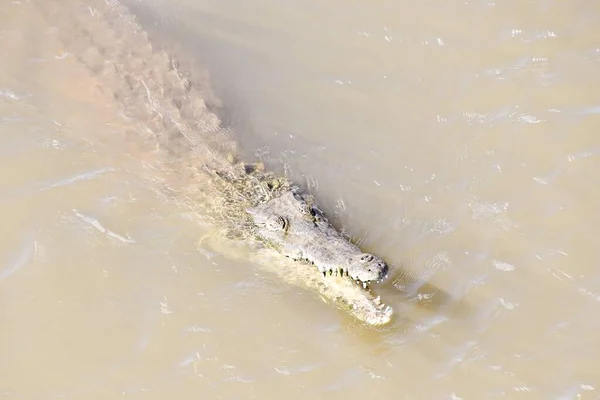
[455, 139]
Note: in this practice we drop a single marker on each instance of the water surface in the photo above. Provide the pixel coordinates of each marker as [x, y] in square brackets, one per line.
[458, 140]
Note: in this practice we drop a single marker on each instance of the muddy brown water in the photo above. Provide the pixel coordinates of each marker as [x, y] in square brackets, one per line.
[458, 140]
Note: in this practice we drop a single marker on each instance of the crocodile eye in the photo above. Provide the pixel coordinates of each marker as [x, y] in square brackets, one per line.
[276, 223]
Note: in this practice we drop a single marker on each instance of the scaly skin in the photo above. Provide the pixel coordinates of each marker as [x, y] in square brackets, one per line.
[152, 88]
[294, 226]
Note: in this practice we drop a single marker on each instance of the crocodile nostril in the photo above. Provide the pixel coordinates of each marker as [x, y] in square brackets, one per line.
[366, 258]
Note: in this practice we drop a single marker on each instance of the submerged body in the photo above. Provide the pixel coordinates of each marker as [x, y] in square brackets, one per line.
[249, 203]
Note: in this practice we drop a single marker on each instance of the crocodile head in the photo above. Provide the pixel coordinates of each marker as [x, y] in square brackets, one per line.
[295, 227]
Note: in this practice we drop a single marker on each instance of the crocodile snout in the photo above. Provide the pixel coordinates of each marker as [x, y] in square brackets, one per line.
[367, 268]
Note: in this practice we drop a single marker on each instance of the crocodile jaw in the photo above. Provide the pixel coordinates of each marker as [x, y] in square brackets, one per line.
[296, 229]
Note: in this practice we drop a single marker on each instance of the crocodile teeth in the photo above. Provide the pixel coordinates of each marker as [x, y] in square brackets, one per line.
[378, 300]
[364, 285]
[324, 274]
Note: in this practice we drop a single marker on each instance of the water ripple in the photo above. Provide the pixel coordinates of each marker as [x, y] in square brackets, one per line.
[25, 253]
[98, 226]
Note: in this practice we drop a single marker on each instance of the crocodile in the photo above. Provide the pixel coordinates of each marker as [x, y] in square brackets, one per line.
[172, 114]
[298, 229]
